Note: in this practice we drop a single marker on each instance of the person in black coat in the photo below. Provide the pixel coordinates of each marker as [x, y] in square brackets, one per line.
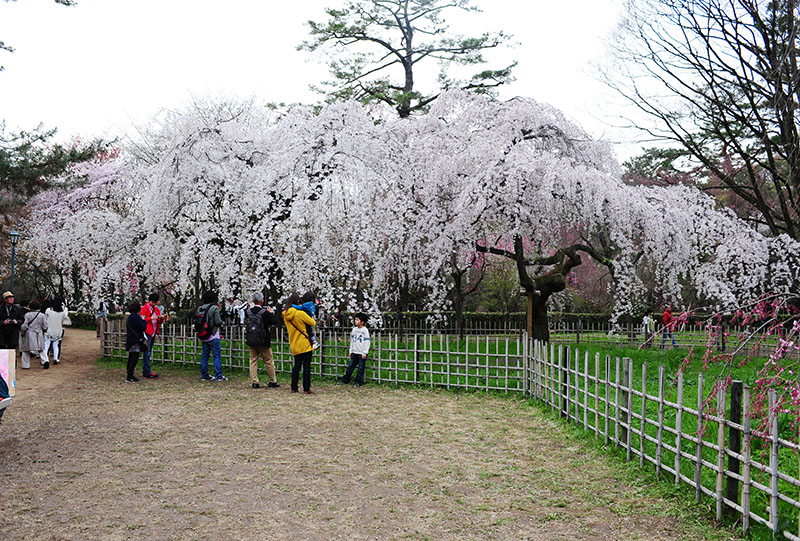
[11, 316]
[134, 338]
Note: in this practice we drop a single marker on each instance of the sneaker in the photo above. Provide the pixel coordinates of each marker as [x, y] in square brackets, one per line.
[55, 362]
[356, 385]
[273, 384]
[131, 380]
[206, 378]
[151, 375]
[221, 378]
[295, 391]
[46, 365]
[256, 386]
[314, 346]
[339, 383]
[309, 392]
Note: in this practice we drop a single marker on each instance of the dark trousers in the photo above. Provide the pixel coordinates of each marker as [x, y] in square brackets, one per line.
[304, 360]
[361, 363]
[133, 358]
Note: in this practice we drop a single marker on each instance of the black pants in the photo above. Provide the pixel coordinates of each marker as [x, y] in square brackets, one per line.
[304, 360]
[133, 358]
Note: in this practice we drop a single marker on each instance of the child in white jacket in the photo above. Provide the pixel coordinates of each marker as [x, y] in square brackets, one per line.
[359, 347]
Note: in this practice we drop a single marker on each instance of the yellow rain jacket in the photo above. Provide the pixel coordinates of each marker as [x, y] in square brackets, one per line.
[296, 321]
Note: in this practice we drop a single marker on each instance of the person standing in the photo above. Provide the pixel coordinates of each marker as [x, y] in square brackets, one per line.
[669, 324]
[11, 316]
[135, 340]
[648, 326]
[56, 315]
[359, 348]
[33, 328]
[299, 341]
[212, 343]
[101, 315]
[257, 323]
[151, 314]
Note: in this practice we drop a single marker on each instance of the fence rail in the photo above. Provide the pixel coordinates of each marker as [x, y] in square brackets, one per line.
[708, 443]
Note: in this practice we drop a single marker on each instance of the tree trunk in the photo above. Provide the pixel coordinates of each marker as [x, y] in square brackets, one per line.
[537, 325]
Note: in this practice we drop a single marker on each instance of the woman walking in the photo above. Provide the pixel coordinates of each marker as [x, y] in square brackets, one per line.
[33, 328]
[300, 342]
[56, 315]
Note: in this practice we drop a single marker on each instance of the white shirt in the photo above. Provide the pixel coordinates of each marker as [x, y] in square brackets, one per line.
[54, 322]
[359, 341]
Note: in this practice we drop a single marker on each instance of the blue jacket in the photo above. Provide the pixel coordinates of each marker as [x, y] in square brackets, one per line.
[134, 327]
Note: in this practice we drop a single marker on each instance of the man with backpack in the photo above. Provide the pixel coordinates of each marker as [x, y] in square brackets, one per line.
[258, 339]
[207, 324]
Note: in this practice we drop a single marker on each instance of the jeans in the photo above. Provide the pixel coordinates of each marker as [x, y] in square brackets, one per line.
[304, 360]
[146, 371]
[668, 333]
[213, 347]
[355, 360]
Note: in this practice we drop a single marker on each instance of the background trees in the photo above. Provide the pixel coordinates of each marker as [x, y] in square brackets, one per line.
[375, 48]
[721, 80]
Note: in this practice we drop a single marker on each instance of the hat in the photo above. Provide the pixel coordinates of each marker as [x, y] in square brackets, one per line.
[7, 294]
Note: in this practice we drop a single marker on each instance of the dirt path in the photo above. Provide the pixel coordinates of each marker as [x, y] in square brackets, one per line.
[87, 456]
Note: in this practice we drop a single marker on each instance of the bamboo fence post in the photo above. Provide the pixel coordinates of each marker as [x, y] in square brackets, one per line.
[596, 395]
[746, 466]
[773, 463]
[564, 381]
[616, 403]
[679, 430]
[698, 452]
[642, 421]
[719, 495]
[660, 427]
[524, 367]
[629, 407]
[416, 358]
[608, 383]
[735, 437]
[576, 386]
[586, 391]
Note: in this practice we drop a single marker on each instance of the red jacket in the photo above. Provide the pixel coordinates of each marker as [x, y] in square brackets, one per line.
[147, 313]
[667, 318]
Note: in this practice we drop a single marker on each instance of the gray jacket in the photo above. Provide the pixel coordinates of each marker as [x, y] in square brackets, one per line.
[33, 329]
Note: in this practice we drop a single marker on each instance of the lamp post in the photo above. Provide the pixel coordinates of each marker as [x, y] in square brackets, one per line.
[14, 236]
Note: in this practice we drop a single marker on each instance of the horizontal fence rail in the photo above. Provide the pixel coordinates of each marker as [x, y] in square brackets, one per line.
[706, 442]
[725, 339]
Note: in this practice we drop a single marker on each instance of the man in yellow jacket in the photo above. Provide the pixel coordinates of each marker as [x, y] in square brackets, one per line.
[299, 340]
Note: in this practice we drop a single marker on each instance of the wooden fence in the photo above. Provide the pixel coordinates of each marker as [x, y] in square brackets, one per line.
[726, 340]
[700, 437]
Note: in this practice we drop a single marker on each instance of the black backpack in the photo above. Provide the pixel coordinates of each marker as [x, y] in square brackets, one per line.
[256, 331]
[202, 330]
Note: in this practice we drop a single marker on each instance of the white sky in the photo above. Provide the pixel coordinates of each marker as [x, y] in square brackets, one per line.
[101, 67]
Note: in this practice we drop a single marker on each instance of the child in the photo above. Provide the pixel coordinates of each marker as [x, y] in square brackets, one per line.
[134, 339]
[310, 308]
[648, 326]
[359, 347]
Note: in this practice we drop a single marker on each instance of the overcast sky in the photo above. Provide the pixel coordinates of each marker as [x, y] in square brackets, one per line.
[101, 67]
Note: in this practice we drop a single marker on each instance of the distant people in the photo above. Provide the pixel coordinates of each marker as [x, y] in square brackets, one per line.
[135, 340]
[151, 314]
[308, 305]
[212, 344]
[669, 325]
[100, 315]
[297, 321]
[11, 317]
[56, 315]
[33, 328]
[648, 327]
[257, 337]
[359, 348]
